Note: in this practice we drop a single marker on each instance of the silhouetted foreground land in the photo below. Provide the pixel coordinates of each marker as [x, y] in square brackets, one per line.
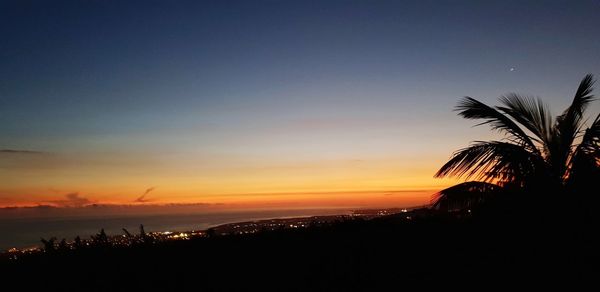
[427, 250]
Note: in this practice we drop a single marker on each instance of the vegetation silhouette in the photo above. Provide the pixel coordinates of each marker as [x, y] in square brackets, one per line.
[432, 248]
[77, 243]
[62, 246]
[49, 244]
[542, 163]
[127, 234]
[100, 239]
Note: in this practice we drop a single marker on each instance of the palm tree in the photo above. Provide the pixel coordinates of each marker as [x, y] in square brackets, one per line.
[543, 159]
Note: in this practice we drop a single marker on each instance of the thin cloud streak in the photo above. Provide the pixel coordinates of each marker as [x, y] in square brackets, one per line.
[15, 151]
[142, 198]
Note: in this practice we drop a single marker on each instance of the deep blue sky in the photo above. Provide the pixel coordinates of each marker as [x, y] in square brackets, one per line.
[269, 80]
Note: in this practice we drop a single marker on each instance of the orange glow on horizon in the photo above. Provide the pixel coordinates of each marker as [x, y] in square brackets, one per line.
[405, 198]
[122, 178]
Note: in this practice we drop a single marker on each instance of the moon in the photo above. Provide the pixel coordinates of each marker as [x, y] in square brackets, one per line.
[511, 69]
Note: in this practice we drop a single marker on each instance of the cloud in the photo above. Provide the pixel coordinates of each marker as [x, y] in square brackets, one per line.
[13, 151]
[72, 200]
[142, 198]
[18, 160]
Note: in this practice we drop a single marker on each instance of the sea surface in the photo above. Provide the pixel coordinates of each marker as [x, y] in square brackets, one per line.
[25, 230]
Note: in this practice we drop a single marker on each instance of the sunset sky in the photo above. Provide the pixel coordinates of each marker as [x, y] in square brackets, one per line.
[286, 103]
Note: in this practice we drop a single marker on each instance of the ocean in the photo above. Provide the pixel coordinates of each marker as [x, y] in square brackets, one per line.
[25, 228]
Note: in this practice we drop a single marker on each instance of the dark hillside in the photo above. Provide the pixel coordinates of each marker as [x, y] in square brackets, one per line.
[391, 251]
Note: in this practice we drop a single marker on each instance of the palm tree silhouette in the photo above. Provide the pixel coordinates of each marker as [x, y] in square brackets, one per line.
[542, 158]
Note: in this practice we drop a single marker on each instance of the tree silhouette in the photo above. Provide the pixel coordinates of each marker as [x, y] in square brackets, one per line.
[100, 239]
[541, 157]
[144, 238]
[49, 244]
[142, 232]
[78, 243]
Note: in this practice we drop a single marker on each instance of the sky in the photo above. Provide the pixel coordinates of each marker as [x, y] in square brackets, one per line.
[286, 103]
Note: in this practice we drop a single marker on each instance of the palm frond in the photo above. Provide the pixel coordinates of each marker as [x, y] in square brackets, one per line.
[539, 157]
[489, 161]
[589, 148]
[530, 112]
[583, 96]
[568, 127]
[470, 108]
[591, 139]
[584, 169]
[463, 196]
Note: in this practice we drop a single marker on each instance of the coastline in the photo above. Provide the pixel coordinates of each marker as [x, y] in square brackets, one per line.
[247, 226]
